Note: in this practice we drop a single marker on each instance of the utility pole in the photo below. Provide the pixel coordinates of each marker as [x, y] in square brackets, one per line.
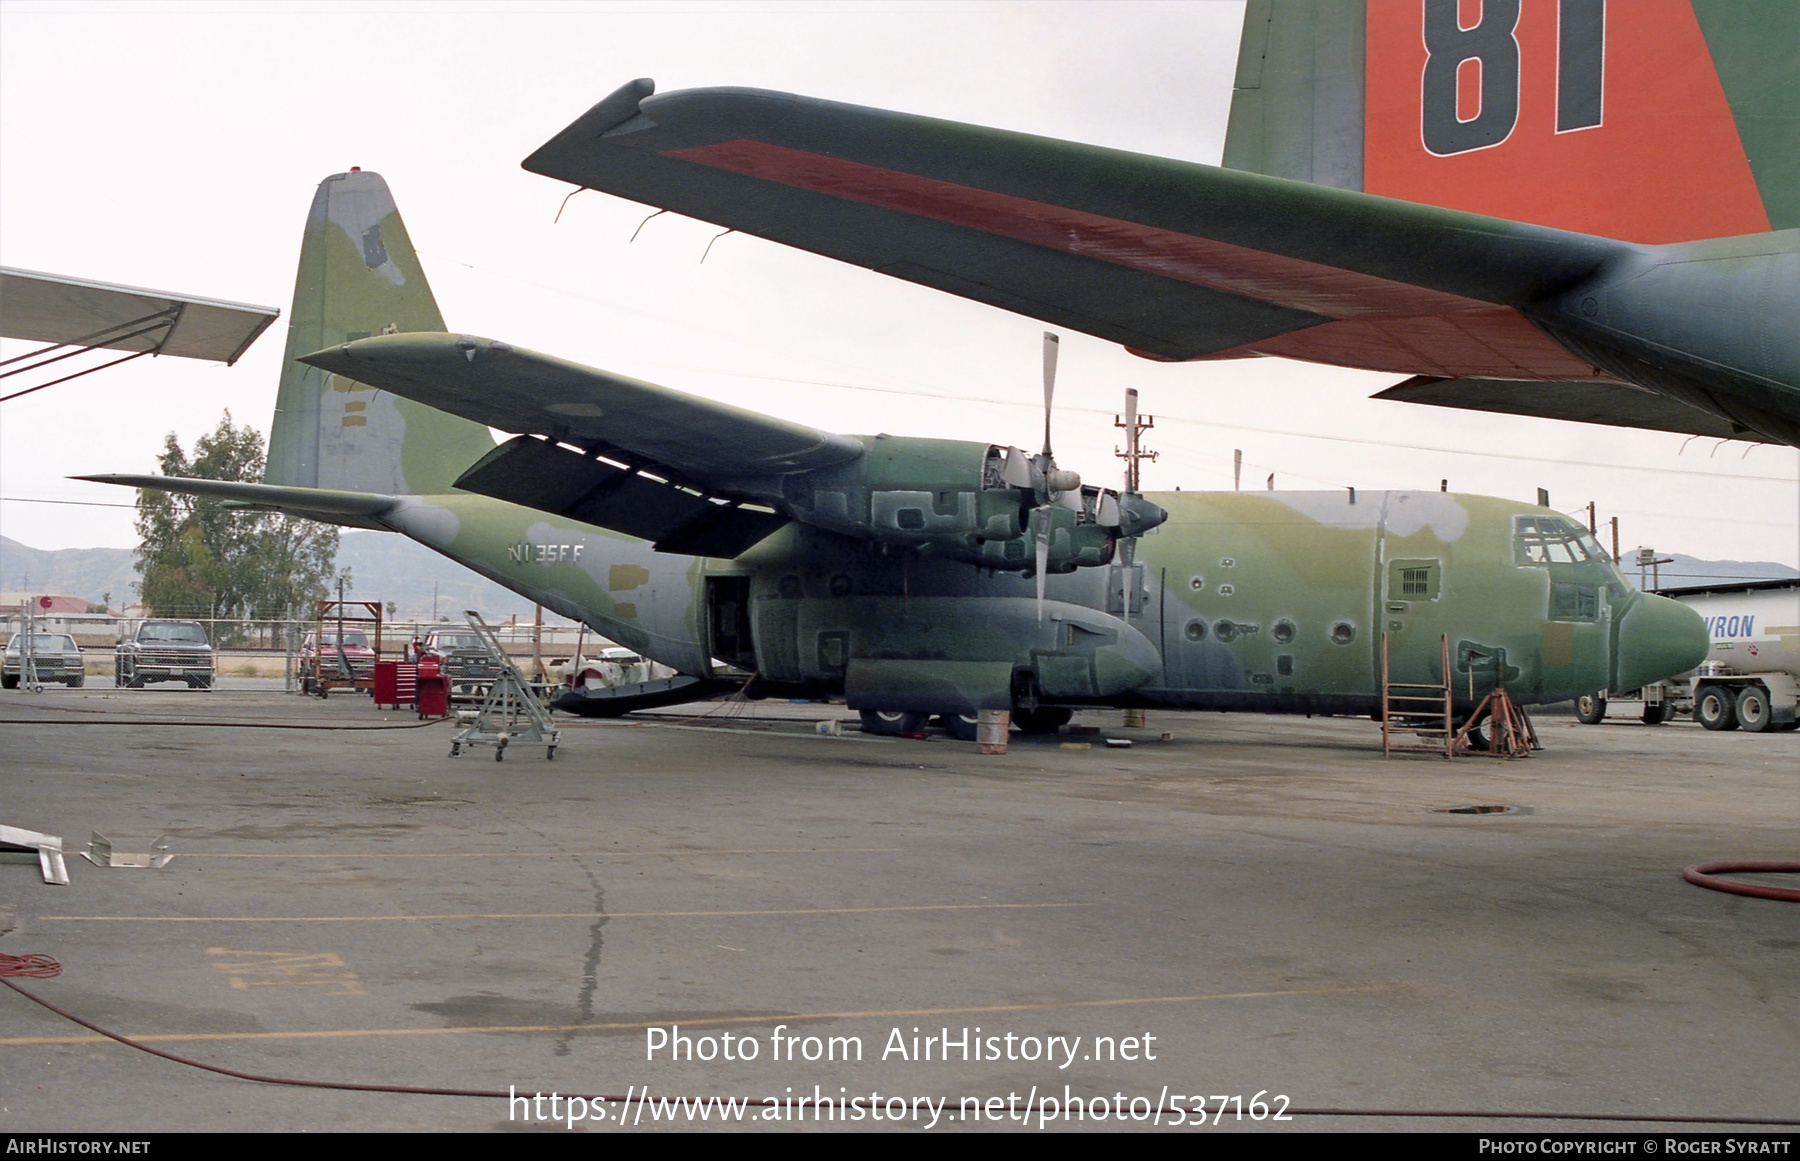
[1237, 467]
[1135, 426]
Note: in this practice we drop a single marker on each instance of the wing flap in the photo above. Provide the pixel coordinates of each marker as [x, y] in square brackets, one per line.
[539, 474]
[1581, 400]
[522, 391]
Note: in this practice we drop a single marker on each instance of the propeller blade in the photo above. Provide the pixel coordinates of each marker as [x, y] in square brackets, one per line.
[1043, 565]
[1051, 344]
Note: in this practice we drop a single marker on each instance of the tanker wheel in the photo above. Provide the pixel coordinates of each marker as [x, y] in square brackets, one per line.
[1590, 708]
[1715, 708]
[1753, 708]
[1656, 715]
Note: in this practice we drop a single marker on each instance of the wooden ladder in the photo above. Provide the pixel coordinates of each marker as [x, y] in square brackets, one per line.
[1426, 707]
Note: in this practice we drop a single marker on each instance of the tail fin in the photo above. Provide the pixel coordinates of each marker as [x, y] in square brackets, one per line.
[359, 276]
[1643, 120]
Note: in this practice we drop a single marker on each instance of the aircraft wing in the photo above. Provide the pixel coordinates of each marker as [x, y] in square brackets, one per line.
[75, 312]
[326, 505]
[1172, 259]
[692, 475]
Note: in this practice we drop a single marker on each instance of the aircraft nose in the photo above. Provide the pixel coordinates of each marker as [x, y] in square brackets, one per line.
[1658, 638]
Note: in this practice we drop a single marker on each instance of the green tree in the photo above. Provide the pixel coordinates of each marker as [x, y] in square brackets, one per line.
[198, 555]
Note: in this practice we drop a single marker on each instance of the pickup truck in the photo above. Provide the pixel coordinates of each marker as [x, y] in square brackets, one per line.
[164, 651]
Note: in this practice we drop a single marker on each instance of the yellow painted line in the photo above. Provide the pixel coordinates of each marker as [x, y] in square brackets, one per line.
[713, 1022]
[551, 914]
[673, 853]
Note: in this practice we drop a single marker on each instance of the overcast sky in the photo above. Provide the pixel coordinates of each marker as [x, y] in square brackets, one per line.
[177, 146]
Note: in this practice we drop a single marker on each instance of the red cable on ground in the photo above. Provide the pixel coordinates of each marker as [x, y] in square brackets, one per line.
[54, 968]
[1701, 875]
[36, 967]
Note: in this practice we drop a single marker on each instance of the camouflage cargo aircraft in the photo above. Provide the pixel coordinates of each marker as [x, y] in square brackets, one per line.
[1567, 209]
[914, 577]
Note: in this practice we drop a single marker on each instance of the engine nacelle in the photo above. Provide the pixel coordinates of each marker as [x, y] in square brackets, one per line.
[966, 501]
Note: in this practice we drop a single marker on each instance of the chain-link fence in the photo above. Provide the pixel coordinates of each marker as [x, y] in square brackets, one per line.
[275, 648]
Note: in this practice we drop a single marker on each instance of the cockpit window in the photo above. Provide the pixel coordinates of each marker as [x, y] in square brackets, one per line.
[1579, 567]
[1549, 540]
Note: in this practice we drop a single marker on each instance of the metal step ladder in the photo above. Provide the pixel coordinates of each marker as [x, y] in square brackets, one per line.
[1423, 709]
[510, 713]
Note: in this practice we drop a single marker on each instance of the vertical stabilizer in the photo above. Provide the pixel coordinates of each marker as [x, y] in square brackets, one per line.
[359, 277]
[1644, 120]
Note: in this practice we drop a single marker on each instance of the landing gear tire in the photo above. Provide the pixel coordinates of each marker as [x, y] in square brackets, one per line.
[1044, 720]
[962, 727]
[1753, 708]
[893, 723]
[1590, 708]
[1715, 708]
[1656, 715]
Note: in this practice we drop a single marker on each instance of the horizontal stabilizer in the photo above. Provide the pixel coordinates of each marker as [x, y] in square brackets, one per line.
[1583, 401]
[645, 425]
[539, 474]
[327, 505]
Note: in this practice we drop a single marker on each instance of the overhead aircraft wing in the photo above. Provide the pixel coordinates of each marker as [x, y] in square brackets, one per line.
[49, 308]
[692, 475]
[326, 505]
[1172, 259]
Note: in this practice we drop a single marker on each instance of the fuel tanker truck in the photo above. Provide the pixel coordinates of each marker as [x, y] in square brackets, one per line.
[1751, 676]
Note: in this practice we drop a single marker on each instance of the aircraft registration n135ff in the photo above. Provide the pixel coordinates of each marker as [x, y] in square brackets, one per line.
[911, 576]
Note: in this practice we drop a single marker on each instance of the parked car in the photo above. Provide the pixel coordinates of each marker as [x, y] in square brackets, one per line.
[55, 656]
[465, 660]
[322, 649]
[165, 651]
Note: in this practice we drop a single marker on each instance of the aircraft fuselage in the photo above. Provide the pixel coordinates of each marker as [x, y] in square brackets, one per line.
[1272, 602]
